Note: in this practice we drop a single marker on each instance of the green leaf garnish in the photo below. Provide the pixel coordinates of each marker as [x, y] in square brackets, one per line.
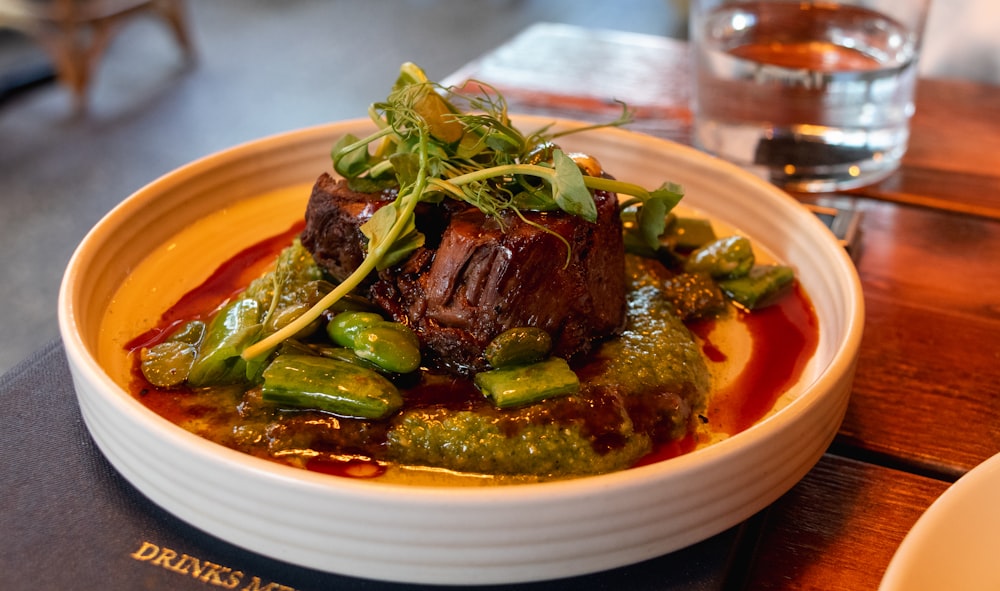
[439, 143]
[354, 158]
[379, 228]
[569, 189]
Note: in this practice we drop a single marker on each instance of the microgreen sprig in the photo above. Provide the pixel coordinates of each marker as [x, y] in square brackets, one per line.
[431, 149]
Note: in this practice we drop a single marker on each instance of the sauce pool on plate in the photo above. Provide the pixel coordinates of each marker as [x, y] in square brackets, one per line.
[751, 372]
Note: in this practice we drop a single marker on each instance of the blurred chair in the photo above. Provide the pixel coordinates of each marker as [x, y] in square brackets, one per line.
[75, 33]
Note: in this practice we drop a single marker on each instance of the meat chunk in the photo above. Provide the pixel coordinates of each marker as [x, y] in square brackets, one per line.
[334, 216]
[487, 274]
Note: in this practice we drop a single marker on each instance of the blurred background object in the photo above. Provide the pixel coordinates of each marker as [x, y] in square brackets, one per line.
[963, 41]
[75, 33]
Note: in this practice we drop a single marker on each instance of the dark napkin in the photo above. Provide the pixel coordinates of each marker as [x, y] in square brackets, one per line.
[68, 520]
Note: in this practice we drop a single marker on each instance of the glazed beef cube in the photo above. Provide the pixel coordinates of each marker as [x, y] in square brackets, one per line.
[335, 214]
[334, 217]
[485, 274]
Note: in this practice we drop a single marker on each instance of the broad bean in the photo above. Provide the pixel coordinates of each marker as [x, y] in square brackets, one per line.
[345, 326]
[389, 345]
[518, 346]
[724, 258]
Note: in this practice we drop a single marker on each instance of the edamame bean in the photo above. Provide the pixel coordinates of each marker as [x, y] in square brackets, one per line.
[345, 326]
[723, 258]
[389, 345]
[518, 346]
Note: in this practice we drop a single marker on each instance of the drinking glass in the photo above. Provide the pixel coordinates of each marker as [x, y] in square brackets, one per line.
[814, 96]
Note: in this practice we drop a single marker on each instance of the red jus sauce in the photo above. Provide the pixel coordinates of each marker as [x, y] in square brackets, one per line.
[784, 337]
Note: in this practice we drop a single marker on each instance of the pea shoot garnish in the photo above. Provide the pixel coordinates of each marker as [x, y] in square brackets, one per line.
[434, 143]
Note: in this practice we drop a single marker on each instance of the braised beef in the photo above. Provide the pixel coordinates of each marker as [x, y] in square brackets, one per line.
[485, 274]
[334, 216]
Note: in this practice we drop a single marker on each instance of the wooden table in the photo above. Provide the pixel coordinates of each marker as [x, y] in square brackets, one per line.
[925, 407]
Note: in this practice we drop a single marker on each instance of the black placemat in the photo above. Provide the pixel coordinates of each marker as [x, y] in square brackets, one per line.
[68, 520]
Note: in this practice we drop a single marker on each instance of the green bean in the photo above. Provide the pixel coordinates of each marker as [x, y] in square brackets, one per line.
[347, 355]
[231, 330]
[724, 258]
[761, 287]
[286, 314]
[518, 346]
[687, 234]
[527, 384]
[389, 345]
[337, 387]
[345, 326]
[296, 347]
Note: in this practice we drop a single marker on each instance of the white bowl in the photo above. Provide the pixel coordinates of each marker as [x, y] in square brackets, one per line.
[445, 535]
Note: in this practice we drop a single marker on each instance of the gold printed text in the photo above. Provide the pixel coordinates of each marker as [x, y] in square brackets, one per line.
[205, 571]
